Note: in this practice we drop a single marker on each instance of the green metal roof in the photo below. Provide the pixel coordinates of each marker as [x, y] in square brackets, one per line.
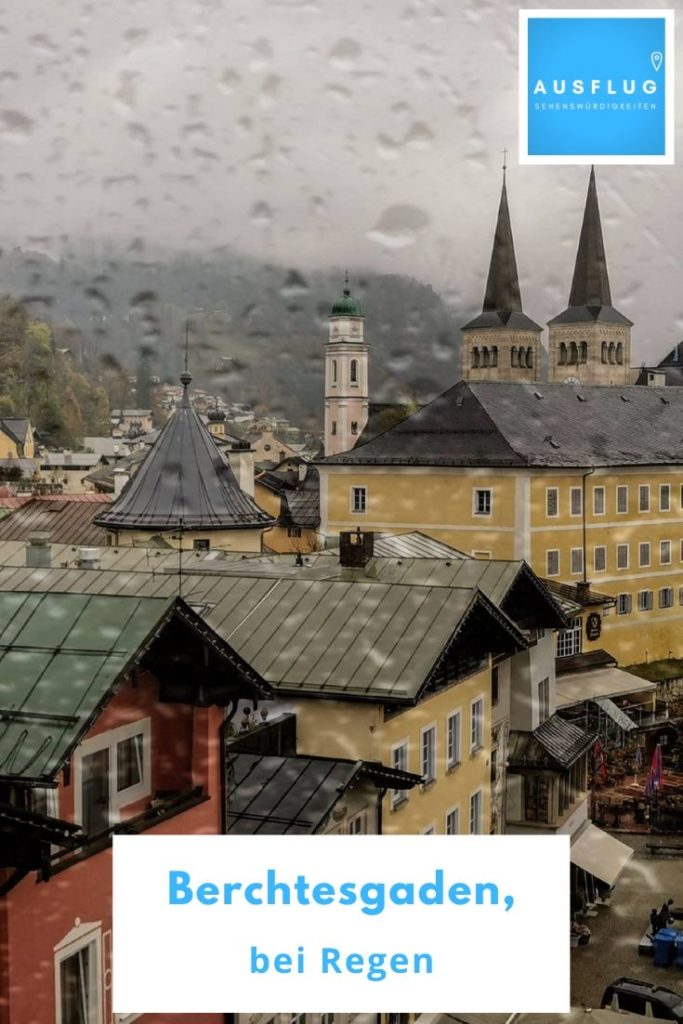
[60, 656]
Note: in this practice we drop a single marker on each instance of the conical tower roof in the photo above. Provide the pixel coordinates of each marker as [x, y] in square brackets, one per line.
[184, 483]
[590, 297]
[590, 285]
[502, 299]
[502, 285]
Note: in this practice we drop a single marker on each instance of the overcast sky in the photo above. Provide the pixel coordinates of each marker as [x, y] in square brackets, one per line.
[313, 132]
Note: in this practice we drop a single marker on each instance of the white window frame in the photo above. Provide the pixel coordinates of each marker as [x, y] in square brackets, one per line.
[477, 736]
[669, 602]
[428, 777]
[552, 551]
[572, 555]
[400, 796]
[478, 794]
[84, 936]
[430, 830]
[622, 490]
[572, 492]
[603, 548]
[360, 488]
[447, 820]
[624, 604]
[644, 489]
[626, 548]
[556, 492]
[109, 741]
[645, 600]
[665, 489]
[453, 762]
[476, 491]
[644, 564]
[662, 560]
[598, 491]
[570, 640]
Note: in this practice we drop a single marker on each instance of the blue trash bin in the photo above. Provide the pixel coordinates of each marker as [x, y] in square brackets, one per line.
[678, 947]
[665, 947]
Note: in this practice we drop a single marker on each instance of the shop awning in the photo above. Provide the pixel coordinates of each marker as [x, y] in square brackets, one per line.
[600, 854]
[615, 713]
[576, 687]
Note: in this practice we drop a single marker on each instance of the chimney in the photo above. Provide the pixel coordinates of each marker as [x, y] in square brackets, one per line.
[38, 551]
[241, 458]
[89, 558]
[583, 589]
[355, 549]
[121, 478]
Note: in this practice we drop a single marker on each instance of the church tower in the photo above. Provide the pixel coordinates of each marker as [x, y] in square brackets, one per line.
[346, 376]
[590, 342]
[502, 343]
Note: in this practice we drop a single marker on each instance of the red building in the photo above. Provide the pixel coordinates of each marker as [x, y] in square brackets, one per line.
[112, 711]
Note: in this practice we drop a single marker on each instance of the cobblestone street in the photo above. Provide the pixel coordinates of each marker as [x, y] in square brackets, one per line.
[613, 949]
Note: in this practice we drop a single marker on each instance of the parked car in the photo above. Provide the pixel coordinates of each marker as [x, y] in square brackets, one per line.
[643, 997]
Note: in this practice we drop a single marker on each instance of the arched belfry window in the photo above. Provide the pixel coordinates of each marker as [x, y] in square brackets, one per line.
[521, 357]
[494, 355]
[583, 352]
[475, 357]
[573, 353]
[334, 371]
[611, 352]
[485, 356]
[563, 353]
[513, 356]
[603, 351]
[620, 353]
[530, 357]
[353, 371]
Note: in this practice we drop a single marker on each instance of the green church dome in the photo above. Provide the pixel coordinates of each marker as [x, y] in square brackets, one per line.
[346, 306]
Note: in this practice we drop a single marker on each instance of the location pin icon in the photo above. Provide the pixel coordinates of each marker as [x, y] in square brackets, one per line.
[656, 57]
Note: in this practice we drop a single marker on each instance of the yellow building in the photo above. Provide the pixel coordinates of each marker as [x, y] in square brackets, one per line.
[185, 494]
[584, 482]
[16, 439]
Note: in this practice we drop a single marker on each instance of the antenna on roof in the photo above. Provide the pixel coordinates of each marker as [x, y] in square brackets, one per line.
[187, 341]
[180, 556]
[505, 162]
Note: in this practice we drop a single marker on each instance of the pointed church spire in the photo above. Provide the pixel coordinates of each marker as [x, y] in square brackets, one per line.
[502, 285]
[590, 284]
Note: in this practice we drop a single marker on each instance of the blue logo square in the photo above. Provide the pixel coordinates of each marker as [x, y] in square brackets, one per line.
[596, 87]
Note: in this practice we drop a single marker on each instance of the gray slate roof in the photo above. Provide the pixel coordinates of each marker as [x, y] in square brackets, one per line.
[184, 483]
[487, 423]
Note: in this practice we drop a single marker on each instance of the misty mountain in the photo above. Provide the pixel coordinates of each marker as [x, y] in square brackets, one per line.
[255, 332]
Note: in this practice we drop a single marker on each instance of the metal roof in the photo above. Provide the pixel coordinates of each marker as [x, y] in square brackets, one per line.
[413, 545]
[184, 483]
[275, 795]
[68, 519]
[555, 743]
[60, 655]
[17, 429]
[615, 713]
[494, 423]
[361, 639]
[283, 795]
